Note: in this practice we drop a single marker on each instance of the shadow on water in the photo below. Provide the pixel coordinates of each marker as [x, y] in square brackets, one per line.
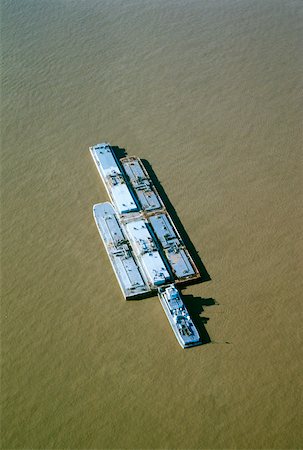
[173, 214]
[119, 152]
[194, 307]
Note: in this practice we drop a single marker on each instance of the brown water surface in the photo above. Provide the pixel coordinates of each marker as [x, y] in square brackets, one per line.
[208, 93]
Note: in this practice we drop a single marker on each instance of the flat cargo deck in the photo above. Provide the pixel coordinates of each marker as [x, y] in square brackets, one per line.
[147, 253]
[154, 242]
[175, 251]
[129, 275]
[113, 178]
[140, 181]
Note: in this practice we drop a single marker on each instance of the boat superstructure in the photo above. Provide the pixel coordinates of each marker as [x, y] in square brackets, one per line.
[178, 316]
[141, 240]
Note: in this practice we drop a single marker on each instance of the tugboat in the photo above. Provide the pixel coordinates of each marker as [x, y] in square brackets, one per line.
[177, 314]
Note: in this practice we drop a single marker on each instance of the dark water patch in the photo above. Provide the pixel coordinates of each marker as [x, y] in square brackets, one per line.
[119, 151]
[195, 307]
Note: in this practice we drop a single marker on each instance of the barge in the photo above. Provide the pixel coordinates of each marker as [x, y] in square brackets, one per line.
[134, 196]
[147, 252]
[130, 278]
[177, 255]
[145, 249]
[113, 179]
[141, 183]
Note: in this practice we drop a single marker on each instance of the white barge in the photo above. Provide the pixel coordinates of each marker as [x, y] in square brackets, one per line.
[119, 250]
[147, 197]
[135, 197]
[141, 240]
[179, 319]
[147, 253]
[178, 257]
[113, 179]
[145, 191]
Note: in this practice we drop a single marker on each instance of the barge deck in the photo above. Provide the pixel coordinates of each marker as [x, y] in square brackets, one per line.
[113, 178]
[131, 279]
[144, 247]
